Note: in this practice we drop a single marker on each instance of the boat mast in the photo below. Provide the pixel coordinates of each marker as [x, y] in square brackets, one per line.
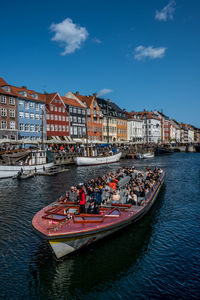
[42, 137]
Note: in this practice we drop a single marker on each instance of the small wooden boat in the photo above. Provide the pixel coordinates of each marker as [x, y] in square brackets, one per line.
[164, 150]
[67, 231]
[97, 160]
[52, 171]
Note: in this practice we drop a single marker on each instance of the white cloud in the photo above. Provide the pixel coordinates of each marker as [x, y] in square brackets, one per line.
[69, 34]
[167, 12]
[96, 40]
[104, 91]
[142, 52]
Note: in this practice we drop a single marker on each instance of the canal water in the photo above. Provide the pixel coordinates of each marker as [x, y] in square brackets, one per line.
[157, 258]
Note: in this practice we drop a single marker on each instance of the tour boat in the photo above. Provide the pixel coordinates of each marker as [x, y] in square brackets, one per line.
[13, 163]
[96, 160]
[67, 231]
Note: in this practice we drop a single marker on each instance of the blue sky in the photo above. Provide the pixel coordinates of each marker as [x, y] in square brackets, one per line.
[141, 54]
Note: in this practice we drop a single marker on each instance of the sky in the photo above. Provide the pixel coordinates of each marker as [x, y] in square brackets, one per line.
[141, 54]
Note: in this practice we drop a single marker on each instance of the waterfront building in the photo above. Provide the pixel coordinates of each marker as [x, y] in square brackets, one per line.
[165, 126]
[109, 120]
[8, 112]
[134, 128]
[175, 131]
[77, 112]
[31, 114]
[151, 126]
[196, 134]
[121, 119]
[57, 118]
[187, 133]
[94, 117]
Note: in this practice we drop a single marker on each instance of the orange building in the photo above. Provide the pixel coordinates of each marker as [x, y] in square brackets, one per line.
[121, 129]
[94, 117]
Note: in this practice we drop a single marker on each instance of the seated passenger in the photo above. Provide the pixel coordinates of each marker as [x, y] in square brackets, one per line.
[115, 197]
[93, 207]
[132, 198]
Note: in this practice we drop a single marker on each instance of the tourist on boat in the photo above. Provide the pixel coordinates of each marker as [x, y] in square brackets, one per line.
[115, 197]
[97, 195]
[82, 199]
[113, 184]
[93, 207]
[132, 198]
[73, 195]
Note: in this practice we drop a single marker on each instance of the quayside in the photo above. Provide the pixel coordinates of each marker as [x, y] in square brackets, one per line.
[67, 230]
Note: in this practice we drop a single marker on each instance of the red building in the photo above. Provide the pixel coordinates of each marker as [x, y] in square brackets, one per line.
[57, 118]
[94, 117]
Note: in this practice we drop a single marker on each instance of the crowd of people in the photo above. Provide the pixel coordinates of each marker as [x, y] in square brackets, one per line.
[126, 185]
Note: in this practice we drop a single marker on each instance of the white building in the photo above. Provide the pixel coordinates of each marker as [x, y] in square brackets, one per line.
[134, 128]
[175, 131]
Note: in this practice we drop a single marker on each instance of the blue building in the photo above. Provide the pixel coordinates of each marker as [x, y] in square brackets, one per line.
[31, 114]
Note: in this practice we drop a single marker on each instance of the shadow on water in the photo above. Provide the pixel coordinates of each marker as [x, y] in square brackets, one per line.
[101, 263]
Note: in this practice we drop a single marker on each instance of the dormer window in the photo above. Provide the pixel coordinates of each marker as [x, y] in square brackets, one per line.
[35, 96]
[23, 93]
[6, 88]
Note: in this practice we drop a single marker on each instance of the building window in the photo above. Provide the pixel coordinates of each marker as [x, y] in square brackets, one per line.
[21, 126]
[70, 109]
[12, 101]
[60, 118]
[52, 127]
[67, 128]
[26, 105]
[26, 127]
[3, 112]
[37, 128]
[56, 127]
[37, 117]
[26, 115]
[83, 120]
[74, 118]
[59, 109]
[47, 116]
[31, 105]
[32, 116]
[75, 130]
[37, 107]
[71, 119]
[84, 130]
[83, 112]
[63, 118]
[63, 109]
[74, 110]
[3, 99]
[60, 128]
[67, 119]
[79, 120]
[21, 114]
[63, 128]
[79, 111]
[71, 131]
[55, 108]
[56, 117]
[32, 127]
[51, 107]
[48, 127]
[12, 113]
[3, 125]
[12, 125]
[51, 117]
[21, 102]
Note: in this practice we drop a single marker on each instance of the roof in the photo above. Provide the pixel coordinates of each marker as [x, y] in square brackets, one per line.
[2, 82]
[50, 97]
[142, 114]
[85, 99]
[72, 102]
[11, 93]
[113, 109]
[30, 93]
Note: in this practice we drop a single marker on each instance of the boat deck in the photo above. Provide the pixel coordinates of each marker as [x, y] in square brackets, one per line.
[59, 218]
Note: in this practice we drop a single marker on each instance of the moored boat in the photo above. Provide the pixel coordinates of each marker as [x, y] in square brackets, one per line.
[13, 163]
[97, 160]
[67, 230]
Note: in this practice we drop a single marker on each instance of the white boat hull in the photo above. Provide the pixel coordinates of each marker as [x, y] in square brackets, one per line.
[10, 171]
[148, 155]
[86, 161]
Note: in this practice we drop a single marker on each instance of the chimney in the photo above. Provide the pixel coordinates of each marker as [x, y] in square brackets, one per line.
[24, 87]
[77, 93]
[95, 95]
